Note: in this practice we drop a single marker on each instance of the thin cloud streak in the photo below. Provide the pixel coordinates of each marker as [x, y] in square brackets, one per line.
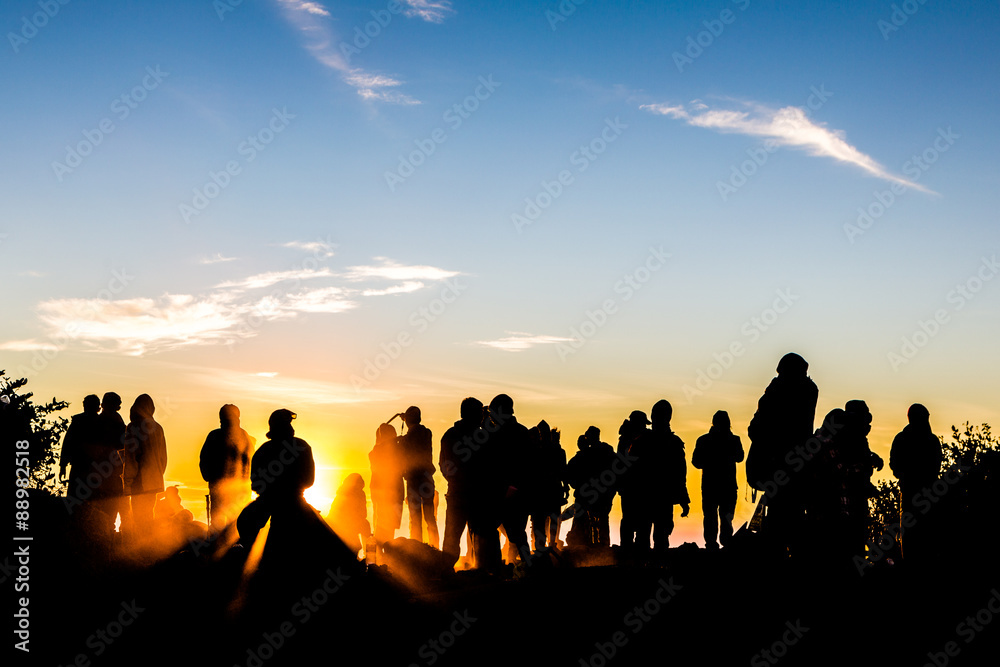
[391, 270]
[519, 341]
[788, 126]
[311, 21]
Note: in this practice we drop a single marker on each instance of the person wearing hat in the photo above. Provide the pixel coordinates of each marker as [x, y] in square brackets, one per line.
[632, 438]
[417, 449]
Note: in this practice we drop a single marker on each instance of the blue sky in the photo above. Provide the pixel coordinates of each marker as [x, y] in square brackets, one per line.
[348, 262]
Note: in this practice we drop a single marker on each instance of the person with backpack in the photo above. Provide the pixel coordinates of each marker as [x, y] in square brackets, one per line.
[779, 429]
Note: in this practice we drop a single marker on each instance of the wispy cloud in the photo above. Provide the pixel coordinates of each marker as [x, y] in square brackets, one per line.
[308, 7]
[519, 341]
[31, 273]
[404, 288]
[230, 311]
[217, 258]
[433, 11]
[312, 21]
[788, 126]
[390, 270]
[292, 390]
[30, 345]
[270, 278]
[321, 249]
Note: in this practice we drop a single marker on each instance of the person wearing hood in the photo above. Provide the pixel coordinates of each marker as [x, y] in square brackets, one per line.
[782, 423]
[225, 465]
[348, 514]
[716, 453]
[915, 459]
[145, 461]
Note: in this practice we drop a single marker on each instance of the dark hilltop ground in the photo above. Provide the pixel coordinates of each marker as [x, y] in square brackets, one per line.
[736, 606]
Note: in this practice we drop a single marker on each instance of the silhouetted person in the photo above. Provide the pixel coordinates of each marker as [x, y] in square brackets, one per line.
[915, 459]
[658, 480]
[109, 493]
[512, 449]
[631, 440]
[145, 462]
[386, 484]
[782, 423]
[591, 473]
[549, 489]
[457, 466]
[225, 465]
[81, 445]
[417, 447]
[716, 453]
[300, 546]
[349, 513]
[860, 463]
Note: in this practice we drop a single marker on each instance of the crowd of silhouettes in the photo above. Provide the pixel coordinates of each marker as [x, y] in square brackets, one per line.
[501, 475]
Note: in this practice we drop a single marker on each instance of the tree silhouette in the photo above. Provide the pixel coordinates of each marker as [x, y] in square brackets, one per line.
[24, 420]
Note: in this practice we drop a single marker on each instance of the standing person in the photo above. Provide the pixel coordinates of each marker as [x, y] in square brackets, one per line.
[915, 459]
[633, 484]
[109, 495]
[145, 462]
[550, 489]
[661, 481]
[225, 465]
[455, 461]
[592, 497]
[716, 453]
[80, 446]
[512, 450]
[386, 484]
[859, 462]
[417, 446]
[783, 421]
